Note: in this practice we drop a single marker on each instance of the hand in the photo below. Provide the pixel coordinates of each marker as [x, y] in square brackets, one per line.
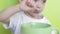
[55, 32]
[25, 5]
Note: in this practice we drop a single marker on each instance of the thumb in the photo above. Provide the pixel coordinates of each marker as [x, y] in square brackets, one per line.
[23, 1]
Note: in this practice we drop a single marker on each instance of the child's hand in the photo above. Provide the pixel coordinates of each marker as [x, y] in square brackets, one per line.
[25, 5]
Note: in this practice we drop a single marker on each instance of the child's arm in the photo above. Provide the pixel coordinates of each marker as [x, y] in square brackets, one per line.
[5, 15]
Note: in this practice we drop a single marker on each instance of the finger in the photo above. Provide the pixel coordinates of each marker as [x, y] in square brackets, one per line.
[29, 4]
[22, 1]
[28, 0]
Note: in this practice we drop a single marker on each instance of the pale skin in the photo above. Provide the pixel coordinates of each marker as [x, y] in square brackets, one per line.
[30, 8]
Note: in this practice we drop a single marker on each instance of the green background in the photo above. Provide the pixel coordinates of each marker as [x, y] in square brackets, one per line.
[51, 11]
[7, 3]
